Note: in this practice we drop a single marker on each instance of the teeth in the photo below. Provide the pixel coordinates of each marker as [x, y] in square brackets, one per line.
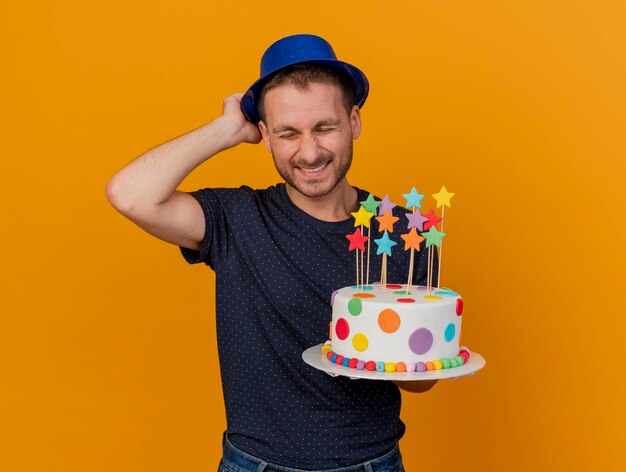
[315, 169]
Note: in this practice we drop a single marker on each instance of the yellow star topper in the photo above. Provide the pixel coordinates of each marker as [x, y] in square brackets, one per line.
[362, 217]
[443, 197]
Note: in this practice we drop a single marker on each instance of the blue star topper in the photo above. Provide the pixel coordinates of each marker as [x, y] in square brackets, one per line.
[384, 244]
[413, 199]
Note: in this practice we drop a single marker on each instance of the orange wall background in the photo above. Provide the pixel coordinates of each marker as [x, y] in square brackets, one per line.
[109, 364]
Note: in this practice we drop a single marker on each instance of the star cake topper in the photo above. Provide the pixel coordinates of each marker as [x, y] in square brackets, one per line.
[386, 205]
[443, 197]
[412, 240]
[433, 220]
[357, 240]
[413, 199]
[384, 244]
[370, 204]
[433, 237]
[362, 217]
[416, 220]
[386, 222]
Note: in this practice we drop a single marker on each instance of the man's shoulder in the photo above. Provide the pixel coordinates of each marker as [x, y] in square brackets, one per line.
[244, 192]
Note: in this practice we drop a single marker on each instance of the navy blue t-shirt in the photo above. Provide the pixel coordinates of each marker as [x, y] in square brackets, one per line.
[276, 268]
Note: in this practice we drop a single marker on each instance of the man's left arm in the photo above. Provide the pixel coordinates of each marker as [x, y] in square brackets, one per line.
[416, 386]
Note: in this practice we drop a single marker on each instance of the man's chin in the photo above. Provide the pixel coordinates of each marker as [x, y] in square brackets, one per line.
[313, 189]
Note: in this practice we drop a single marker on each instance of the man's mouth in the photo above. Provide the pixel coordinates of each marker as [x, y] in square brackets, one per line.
[313, 170]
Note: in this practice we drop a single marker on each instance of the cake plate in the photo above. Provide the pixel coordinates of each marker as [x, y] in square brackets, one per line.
[313, 356]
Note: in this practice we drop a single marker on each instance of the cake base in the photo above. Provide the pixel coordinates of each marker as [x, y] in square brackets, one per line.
[314, 357]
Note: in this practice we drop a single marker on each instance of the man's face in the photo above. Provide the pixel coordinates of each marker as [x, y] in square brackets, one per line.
[309, 134]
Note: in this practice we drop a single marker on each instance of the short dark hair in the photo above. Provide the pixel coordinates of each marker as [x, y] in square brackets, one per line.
[301, 75]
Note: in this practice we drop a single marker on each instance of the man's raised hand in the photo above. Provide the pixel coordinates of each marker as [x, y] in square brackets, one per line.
[242, 130]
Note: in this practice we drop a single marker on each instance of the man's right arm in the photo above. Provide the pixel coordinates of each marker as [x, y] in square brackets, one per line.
[145, 190]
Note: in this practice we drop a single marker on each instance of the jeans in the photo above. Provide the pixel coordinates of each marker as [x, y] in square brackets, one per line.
[234, 460]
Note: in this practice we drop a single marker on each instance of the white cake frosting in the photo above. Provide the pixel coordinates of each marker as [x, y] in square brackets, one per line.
[388, 324]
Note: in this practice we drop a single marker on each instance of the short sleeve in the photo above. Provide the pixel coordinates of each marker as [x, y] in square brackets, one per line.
[213, 244]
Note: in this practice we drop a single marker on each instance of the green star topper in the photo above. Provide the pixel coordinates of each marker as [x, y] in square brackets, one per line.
[433, 237]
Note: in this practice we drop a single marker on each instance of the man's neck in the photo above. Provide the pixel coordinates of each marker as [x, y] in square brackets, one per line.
[334, 206]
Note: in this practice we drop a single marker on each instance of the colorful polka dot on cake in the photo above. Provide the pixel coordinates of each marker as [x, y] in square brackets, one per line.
[405, 300]
[342, 328]
[420, 341]
[360, 342]
[388, 320]
[355, 306]
[449, 333]
[459, 306]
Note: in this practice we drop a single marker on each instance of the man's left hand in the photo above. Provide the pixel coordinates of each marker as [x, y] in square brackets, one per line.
[416, 386]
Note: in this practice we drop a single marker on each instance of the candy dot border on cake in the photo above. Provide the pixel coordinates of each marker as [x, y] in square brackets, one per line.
[392, 367]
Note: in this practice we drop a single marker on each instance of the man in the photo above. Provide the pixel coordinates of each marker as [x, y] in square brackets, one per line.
[278, 254]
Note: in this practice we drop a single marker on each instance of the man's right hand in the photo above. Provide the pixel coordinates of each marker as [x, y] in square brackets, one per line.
[145, 190]
[242, 130]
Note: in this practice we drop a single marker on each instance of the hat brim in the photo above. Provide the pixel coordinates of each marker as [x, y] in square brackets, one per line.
[249, 101]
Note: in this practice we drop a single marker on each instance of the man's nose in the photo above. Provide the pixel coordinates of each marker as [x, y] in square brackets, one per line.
[309, 149]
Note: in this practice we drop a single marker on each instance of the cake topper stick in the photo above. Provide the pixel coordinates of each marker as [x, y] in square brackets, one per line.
[385, 223]
[433, 237]
[384, 247]
[362, 218]
[357, 267]
[371, 205]
[362, 253]
[430, 275]
[357, 241]
[412, 241]
[443, 201]
[383, 275]
[440, 253]
[413, 201]
[369, 230]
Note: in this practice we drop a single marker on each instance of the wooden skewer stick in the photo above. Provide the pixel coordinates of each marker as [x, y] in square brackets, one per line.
[432, 268]
[429, 269]
[443, 209]
[408, 284]
[384, 270]
[356, 252]
[369, 230]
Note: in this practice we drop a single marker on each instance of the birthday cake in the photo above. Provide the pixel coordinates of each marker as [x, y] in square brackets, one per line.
[392, 329]
[389, 327]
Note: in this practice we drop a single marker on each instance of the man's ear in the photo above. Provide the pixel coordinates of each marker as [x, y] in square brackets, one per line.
[265, 134]
[355, 122]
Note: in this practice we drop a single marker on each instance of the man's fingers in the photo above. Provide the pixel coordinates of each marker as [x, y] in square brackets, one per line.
[232, 101]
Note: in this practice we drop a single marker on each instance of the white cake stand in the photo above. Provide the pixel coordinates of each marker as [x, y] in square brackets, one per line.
[313, 356]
